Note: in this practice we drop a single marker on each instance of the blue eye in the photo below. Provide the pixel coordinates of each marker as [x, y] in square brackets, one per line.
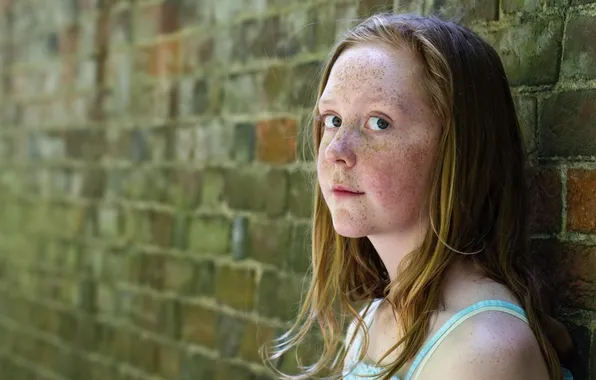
[332, 121]
[378, 124]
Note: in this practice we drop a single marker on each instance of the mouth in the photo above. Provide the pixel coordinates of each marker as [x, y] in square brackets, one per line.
[344, 191]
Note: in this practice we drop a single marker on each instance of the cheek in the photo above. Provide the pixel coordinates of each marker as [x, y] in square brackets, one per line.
[398, 174]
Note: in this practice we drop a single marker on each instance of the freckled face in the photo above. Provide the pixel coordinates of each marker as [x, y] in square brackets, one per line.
[379, 138]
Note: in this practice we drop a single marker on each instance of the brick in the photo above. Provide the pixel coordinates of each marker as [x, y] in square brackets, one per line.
[510, 6]
[162, 225]
[205, 278]
[194, 366]
[244, 142]
[235, 287]
[579, 363]
[568, 125]
[179, 275]
[212, 141]
[240, 238]
[229, 333]
[146, 312]
[526, 109]
[276, 83]
[369, 7]
[255, 189]
[212, 187]
[199, 325]
[580, 48]
[301, 194]
[168, 361]
[469, 10]
[144, 353]
[226, 370]
[303, 90]
[581, 200]
[571, 268]
[276, 141]
[151, 271]
[254, 336]
[297, 260]
[267, 241]
[210, 235]
[279, 296]
[526, 61]
[244, 93]
[545, 200]
[180, 233]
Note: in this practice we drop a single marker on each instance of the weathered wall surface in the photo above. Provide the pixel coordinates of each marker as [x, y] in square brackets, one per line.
[154, 205]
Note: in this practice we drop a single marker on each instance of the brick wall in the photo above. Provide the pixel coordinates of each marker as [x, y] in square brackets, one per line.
[154, 201]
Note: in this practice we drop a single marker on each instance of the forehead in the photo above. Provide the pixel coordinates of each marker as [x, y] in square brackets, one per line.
[374, 69]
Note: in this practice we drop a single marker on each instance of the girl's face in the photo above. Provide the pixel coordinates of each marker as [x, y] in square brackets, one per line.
[379, 140]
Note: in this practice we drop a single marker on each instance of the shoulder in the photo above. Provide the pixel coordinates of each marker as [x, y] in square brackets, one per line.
[492, 345]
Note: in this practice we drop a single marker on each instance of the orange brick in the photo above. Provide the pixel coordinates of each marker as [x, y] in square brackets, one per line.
[276, 141]
[581, 200]
[163, 58]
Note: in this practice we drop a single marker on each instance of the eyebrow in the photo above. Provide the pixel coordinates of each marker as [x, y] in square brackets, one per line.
[327, 101]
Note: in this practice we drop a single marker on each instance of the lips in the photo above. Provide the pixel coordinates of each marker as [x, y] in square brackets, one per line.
[345, 190]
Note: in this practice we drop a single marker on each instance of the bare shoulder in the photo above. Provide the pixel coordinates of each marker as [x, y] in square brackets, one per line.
[491, 345]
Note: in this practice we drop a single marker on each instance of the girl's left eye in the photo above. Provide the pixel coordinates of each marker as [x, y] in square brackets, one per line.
[378, 124]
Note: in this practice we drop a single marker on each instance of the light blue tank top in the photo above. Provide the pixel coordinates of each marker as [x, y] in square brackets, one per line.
[427, 350]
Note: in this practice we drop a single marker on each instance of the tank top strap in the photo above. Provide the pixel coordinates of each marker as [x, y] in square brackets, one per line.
[478, 307]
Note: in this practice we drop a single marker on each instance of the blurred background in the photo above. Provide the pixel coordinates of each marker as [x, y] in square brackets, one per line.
[155, 194]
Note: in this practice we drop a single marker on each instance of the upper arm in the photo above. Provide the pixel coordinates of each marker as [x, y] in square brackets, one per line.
[494, 347]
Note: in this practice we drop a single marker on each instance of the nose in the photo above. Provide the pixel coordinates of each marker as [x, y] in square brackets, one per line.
[339, 151]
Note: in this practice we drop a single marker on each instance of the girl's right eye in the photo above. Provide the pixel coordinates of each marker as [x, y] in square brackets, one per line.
[331, 121]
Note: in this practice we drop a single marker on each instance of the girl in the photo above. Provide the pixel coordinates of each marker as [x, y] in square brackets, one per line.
[420, 211]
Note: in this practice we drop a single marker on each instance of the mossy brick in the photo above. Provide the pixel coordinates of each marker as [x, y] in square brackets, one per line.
[185, 188]
[213, 141]
[179, 275]
[162, 227]
[579, 57]
[137, 225]
[240, 237]
[210, 235]
[545, 200]
[168, 361]
[467, 10]
[212, 187]
[244, 93]
[255, 189]
[246, 37]
[581, 201]
[276, 83]
[568, 124]
[235, 287]
[276, 140]
[229, 334]
[367, 8]
[198, 325]
[298, 257]
[530, 51]
[244, 142]
[323, 16]
[301, 194]
[227, 370]
[309, 352]
[194, 366]
[305, 81]
[304, 146]
[255, 335]
[526, 109]
[143, 352]
[268, 241]
[510, 6]
[279, 296]
[180, 232]
[200, 96]
[205, 278]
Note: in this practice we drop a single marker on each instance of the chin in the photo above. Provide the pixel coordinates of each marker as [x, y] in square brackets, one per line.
[349, 230]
